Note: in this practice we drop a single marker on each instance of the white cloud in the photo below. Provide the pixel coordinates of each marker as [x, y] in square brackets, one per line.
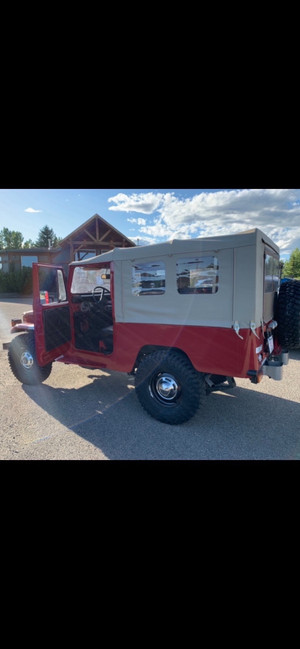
[211, 213]
[142, 241]
[139, 221]
[144, 203]
[30, 209]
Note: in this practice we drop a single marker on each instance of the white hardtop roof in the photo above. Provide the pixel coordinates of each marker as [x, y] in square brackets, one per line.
[182, 246]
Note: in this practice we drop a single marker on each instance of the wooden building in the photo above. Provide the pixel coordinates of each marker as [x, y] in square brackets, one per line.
[12, 260]
[91, 238]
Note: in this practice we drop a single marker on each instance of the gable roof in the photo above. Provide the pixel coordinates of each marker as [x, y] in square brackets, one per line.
[99, 233]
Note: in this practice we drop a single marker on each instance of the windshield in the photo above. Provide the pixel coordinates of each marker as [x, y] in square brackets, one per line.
[85, 279]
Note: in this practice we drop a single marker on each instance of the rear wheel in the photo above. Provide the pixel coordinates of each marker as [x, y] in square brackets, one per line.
[168, 387]
[23, 363]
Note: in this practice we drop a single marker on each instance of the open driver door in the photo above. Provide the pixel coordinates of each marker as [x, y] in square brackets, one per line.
[51, 309]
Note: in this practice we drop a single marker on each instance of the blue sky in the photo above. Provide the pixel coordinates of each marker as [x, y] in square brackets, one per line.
[154, 215]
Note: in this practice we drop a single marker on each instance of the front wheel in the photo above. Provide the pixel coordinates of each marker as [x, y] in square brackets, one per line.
[23, 363]
[168, 387]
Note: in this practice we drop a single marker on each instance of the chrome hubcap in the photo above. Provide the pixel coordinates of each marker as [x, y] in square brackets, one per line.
[27, 360]
[166, 387]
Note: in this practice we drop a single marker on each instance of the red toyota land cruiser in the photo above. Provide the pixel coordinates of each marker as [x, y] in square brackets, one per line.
[184, 317]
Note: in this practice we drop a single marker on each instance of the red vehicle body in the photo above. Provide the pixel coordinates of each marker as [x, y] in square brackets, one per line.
[183, 317]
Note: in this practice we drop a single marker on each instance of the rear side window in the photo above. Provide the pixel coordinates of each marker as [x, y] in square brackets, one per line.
[272, 273]
[148, 278]
[197, 275]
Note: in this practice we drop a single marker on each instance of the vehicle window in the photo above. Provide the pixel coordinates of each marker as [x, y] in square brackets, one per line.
[149, 278]
[197, 275]
[85, 279]
[272, 273]
[62, 296]
[51, 285]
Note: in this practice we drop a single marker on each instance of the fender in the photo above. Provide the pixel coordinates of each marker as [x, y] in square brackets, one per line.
[22, 326]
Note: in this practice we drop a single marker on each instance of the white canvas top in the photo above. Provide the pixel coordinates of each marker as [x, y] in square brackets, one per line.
[239, 297]
[183, 246]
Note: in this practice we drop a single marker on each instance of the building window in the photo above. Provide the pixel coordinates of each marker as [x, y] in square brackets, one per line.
[84, 254]
[149, 278]
[28, 260]
[197, 275]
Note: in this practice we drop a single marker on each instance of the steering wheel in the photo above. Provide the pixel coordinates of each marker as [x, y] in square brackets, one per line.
[99, 292]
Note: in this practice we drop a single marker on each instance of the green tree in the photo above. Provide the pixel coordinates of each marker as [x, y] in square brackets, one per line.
[10, 239]
[28, 244]
[46, 234]
[292, 266]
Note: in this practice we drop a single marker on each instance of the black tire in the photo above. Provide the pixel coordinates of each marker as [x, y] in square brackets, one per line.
[168, 387]
[287, 314]
[22, 360]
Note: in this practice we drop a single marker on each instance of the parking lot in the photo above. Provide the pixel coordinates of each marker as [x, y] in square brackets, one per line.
[81, 414]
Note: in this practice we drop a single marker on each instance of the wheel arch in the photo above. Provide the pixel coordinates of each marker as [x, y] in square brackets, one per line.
[18, 328]
[149, 349]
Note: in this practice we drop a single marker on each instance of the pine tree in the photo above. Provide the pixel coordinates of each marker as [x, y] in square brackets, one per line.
[46, 235]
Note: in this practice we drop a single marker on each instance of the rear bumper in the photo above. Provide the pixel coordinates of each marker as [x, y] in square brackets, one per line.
[272, 367]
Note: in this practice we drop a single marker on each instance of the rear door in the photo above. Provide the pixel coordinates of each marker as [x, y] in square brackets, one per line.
[51, 312]
[271, 282]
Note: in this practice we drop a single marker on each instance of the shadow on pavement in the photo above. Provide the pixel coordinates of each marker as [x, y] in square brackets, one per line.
[241, 424]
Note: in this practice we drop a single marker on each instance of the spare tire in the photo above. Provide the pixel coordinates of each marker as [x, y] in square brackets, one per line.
[287, 314]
